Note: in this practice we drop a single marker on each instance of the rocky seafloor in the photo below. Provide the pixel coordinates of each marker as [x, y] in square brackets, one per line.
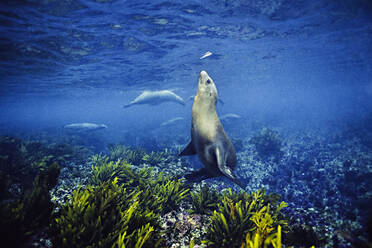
[325, 180]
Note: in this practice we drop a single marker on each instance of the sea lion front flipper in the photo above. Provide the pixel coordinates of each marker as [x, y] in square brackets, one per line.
[189, 150]
[221, 163]
[129, 104]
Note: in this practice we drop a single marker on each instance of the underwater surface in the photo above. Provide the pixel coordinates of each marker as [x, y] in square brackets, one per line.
[96, 102]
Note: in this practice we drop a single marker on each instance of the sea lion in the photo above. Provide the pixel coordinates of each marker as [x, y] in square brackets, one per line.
[85, 126]
[156, 97]
[208, 138]
[191, 98]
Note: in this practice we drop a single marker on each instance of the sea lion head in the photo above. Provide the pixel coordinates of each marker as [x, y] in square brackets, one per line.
[207, 90]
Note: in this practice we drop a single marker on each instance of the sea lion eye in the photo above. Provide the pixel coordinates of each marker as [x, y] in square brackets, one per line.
[208, 81]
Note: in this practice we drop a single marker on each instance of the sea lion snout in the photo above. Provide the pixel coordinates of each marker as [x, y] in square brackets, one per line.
[203, 74]
[206, 87]
[204, 78]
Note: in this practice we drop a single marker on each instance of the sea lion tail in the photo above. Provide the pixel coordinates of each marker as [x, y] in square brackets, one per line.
[180, 101]
[127, 105]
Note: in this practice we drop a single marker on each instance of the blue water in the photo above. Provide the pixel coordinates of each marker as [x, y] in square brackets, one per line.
[64, 61]
[293, 66]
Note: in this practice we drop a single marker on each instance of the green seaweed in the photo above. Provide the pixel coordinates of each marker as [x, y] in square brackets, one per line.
[108, 215]
[136, 156]
[154, 158]
[170, 194]
[103, 170]
[21, 161]
[257, 241]
[140, 238]
[205, 201]
[121, 152]
[23, 217]
[242, 213]
[161, 193]
[120, 209]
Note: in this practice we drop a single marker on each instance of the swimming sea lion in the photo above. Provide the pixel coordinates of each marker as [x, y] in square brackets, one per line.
[85, 126]
[156, 97]
[208, 138]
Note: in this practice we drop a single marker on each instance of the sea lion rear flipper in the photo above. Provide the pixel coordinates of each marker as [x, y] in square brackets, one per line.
[189, 150]
[221, 163]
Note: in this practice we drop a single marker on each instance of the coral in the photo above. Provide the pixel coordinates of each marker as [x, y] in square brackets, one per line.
[182, 227]
[268, 144]
[240, 213]
[21, 218]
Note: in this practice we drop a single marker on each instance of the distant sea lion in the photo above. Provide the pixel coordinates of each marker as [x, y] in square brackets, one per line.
[208, 138]
[156, 97]
[85, 126]
[172, 121]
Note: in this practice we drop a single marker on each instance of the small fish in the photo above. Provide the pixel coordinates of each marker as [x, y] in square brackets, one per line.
[207, 54]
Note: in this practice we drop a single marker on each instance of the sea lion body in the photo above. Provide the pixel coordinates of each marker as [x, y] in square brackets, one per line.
[208, 138]
[156, 97]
